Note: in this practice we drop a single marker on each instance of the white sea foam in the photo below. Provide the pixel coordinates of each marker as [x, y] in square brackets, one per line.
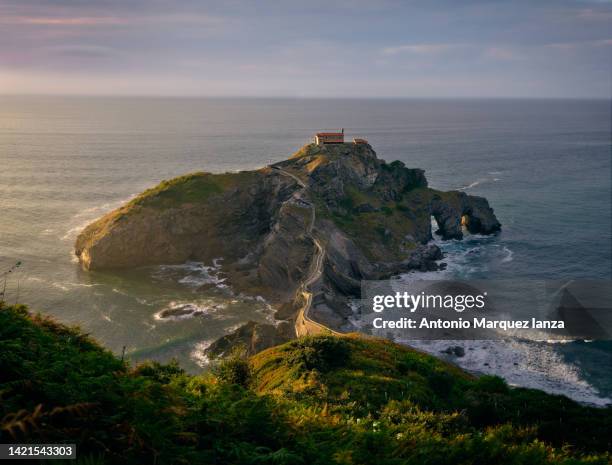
[509, 255]
[480, 181]
[460, 259]
[464, 258]
[469, 186]
[183, 310]
[149, 325]
[232, 328]
[61, 287]
[521, 363]
[84, 217]
[102, 208]
[527, 363]
[268, 311]
[198, 354]
[95, 209]
[533, 364]
[67, 286]
[192, 274]
[355, 320]
[75, 230]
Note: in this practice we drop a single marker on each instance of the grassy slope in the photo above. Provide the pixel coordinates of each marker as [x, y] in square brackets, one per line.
[388, 226]
[188, 189]
[191, 188]
[318, 400]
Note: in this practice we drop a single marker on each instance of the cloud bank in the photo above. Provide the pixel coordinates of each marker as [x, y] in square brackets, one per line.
[337, 48]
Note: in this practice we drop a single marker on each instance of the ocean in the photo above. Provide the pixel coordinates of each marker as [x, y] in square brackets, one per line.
[544, 166]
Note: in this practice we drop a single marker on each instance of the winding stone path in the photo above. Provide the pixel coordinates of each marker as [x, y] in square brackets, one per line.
[304, 325]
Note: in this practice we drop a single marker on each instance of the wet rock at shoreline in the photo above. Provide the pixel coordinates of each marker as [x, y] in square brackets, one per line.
[457, 351]
[252, 337]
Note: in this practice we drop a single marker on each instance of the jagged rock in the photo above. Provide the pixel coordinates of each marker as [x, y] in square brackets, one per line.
[253, 337]
[457, 351]
[366, 208]
[338, 303]
[286, 310]
[395, 180]
[423, 258]
[451, 208]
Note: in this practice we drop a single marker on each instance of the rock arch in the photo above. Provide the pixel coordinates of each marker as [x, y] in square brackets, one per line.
[452, 210]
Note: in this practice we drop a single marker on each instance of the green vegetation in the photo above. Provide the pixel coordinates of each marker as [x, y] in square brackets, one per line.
[307, 150]
[322, 400]
[188, 189]
[384, 223]
[191, 188]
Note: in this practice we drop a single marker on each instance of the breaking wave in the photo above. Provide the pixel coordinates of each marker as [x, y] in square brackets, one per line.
[528, 364]
[480, 181]
[84, 217]
[198, 353]
[193, 274]
[184, 310]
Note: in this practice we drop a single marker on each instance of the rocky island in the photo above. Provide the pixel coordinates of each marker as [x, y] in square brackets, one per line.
[302, 233]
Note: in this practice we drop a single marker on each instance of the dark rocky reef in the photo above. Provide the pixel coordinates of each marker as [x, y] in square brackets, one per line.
[372, 218]
[251, 338]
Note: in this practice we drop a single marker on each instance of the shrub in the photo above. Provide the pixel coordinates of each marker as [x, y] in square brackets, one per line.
[163, 374]
[347, 203]
[387, 211]
[58, 385]
[441, 383]
[318, 353]
[491, 384]
[234, 369]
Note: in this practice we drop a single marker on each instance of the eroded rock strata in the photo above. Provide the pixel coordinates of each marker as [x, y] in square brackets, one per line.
[372, 219]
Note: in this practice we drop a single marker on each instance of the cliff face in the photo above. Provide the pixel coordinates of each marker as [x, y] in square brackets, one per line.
[371, 219]
[199, 216]
[202, 217]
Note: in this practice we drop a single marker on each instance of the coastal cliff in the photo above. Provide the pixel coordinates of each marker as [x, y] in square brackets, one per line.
[331, 214]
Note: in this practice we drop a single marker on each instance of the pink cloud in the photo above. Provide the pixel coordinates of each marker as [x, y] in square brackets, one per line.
[65, 21]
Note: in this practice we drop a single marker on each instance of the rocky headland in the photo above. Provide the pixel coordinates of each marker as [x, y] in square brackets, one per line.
[302, 233]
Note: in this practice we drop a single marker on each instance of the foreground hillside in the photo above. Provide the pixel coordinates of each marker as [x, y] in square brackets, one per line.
[322, 400]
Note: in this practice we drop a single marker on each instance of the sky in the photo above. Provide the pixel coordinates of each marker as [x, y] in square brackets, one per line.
[332, 48]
